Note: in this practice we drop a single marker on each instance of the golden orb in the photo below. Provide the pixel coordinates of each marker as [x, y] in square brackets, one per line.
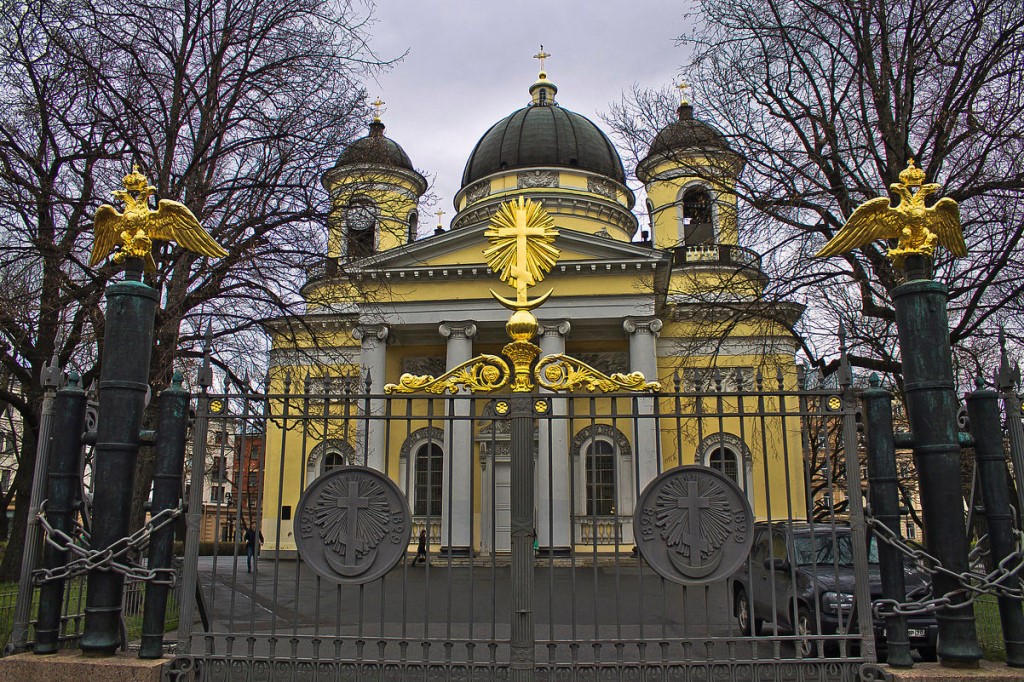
[521, 326]
[490, 374]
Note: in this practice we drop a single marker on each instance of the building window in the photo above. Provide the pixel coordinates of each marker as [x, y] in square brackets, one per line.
[911, 530]
[600, 478]
[429, 474]
[726, 462]
[334, 460]
[217, 494]
[697, 225]
[414, 221]
[361, 219]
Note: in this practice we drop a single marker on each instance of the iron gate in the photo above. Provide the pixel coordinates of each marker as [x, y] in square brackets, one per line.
[484, 476]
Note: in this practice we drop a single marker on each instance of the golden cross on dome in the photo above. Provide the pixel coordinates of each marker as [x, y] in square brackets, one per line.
[439, 214]
[541, 56]
[683, 87]
[377, 104]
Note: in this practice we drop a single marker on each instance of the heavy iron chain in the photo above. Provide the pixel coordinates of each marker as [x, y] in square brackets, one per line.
[116, 557]
[1004, 580]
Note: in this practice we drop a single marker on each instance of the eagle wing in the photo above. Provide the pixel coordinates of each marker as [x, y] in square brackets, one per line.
[947, 226]
[872, 220]
[173, 221]
[107, 230]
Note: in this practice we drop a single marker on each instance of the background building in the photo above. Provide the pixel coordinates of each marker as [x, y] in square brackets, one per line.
[679, 300]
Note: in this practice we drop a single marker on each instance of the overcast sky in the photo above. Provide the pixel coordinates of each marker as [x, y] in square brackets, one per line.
[469, 65]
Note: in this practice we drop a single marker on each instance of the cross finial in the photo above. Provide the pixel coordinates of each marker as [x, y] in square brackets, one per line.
[683, 87]
[439, 214]
[541, 56]
[377, 104]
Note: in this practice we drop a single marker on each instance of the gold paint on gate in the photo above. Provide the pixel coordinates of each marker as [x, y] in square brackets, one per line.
[139, 226]
[522, 252]
[917, 227]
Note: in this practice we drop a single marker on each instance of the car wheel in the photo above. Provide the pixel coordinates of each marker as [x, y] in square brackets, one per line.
[743, 615]
[927, 654]
[805, 629]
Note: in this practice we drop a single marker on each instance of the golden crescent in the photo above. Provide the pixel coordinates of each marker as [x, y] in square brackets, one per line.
[528, 305]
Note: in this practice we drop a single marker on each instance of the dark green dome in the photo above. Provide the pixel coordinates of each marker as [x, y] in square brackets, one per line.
[543, 135]
[375, 149]
[688, 133]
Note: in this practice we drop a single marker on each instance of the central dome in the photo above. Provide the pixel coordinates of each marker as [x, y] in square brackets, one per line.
[543, 135]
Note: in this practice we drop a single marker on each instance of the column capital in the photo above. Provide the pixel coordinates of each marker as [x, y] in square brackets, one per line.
[369, 334]
[642, 325]
[553, 328]
[457, 330]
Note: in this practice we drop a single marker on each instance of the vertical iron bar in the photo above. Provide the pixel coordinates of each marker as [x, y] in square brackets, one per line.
[168, 461]
[858, 528]
[1008, 379]
[983, 410]
[50, 378]
[883, 488]
[69, 417]
[522, 524]
[124, 384]
[194, 507]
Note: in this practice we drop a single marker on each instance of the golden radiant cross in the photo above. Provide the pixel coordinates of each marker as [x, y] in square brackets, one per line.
[521, 234]
[439, 214]
[542, 55]
[377, 104]
[683, 87]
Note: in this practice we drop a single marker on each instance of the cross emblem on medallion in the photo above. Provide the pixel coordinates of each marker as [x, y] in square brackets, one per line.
[693, 502]
[352, 503]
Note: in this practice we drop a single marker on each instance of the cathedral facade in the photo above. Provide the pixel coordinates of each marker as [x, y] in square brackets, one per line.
[678, 299]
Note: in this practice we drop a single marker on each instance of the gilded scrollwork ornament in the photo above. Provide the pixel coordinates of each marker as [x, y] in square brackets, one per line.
[565, 373]
[480, 374]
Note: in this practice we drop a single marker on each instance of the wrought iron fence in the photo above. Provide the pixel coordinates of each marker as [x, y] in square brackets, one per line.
[791, 611]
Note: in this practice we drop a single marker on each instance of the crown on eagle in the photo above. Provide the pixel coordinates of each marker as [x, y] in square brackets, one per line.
[912, 176]
[135, 181]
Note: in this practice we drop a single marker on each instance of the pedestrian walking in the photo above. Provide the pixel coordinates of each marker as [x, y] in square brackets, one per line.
[250, 547]
[421, 551]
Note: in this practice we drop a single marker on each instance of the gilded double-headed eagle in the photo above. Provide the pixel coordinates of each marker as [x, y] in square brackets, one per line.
[917, 227]
[136, 229]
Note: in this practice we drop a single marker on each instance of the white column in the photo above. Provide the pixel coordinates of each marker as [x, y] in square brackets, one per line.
[643, 357]
[553, 517]
[372, 356]
[457, 476]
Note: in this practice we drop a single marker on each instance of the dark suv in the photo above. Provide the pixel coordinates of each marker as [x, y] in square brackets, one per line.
[800, 577]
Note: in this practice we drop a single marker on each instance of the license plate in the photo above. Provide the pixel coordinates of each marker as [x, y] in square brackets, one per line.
[917, 633]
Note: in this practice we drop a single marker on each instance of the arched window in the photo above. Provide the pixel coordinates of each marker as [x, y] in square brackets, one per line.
[697, 223]
[361, 219]
[600, 463]
[414, 221]
[334, 460]
[429, 470]
[726, 461]
[650, 213]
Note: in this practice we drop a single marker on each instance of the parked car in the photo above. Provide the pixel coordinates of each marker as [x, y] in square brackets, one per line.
[800, 578]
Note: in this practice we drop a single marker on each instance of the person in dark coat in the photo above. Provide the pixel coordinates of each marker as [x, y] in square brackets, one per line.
[421, 551]
[250, 547]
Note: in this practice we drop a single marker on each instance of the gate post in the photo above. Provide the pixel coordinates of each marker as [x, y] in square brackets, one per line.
[983, 410]
[923, 326]
[521, 489]
[124, 384]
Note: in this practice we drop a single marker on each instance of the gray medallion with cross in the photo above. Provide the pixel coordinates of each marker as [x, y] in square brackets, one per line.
[353, 525]
[693, 525]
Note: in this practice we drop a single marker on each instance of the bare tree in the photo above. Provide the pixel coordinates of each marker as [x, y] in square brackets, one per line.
[828, 102]
[232, 107]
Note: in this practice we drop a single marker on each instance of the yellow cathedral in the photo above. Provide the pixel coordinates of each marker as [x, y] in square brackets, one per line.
[659, 298]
